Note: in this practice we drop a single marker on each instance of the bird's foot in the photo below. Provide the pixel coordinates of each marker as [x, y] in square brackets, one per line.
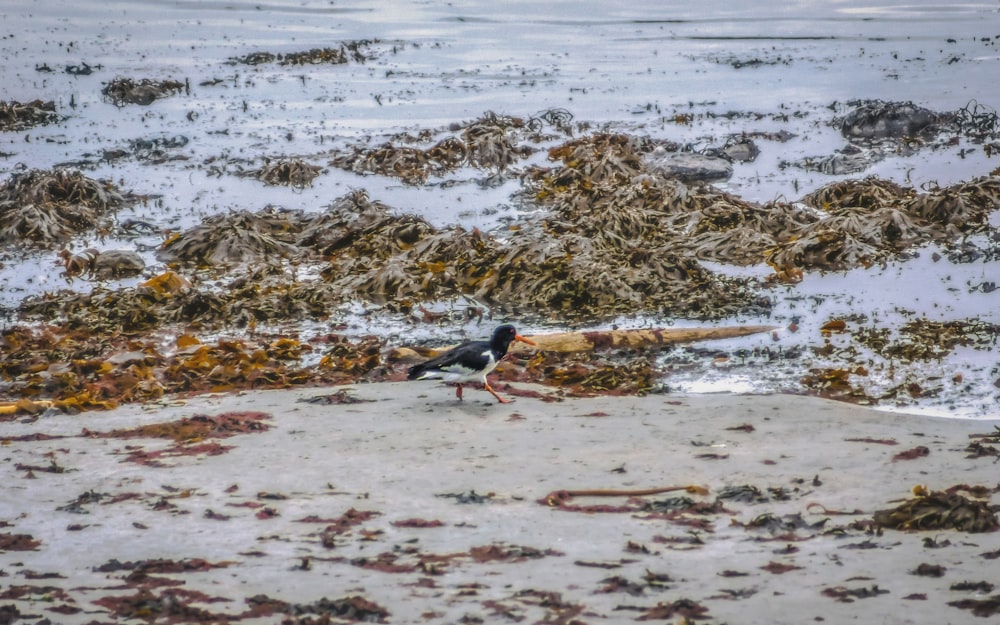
[494, 393]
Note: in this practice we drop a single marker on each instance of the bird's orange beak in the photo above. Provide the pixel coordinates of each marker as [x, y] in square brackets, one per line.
[518, 337]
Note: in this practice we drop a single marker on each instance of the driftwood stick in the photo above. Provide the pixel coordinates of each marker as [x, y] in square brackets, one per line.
[25, 406]
[560, 497]
[572, 342]
[569, 342]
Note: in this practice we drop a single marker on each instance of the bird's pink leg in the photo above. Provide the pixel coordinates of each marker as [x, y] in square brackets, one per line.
[494, 393]
[458, 391]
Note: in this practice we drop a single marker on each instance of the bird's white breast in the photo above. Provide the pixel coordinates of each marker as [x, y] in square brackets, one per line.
[459, 373]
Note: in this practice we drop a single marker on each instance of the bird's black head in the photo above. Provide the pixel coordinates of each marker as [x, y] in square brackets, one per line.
[503, 336]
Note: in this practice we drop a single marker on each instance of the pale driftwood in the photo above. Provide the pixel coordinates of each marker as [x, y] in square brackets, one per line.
[25, 405]
[572, 342]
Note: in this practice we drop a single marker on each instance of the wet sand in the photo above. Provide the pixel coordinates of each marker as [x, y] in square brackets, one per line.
[391, 475]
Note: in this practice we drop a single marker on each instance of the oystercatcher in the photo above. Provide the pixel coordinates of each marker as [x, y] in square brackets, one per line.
[472, 360]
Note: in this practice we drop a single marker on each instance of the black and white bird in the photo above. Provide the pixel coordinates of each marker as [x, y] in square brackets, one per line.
[470, 361]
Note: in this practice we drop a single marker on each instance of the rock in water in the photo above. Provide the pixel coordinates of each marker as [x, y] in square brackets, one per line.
[689, 167]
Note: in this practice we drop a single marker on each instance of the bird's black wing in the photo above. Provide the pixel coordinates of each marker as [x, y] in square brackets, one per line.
[449, 358]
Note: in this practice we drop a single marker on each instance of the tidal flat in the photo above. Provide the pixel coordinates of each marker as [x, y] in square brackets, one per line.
[322, 183]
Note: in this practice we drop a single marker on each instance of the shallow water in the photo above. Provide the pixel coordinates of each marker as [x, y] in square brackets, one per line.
[755, 68]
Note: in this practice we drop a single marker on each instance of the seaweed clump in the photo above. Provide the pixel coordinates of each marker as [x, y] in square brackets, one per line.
[609, 188]
[923, 339]
[122, 91]
[16, 116]
[51, 206]
[940, 510]
[865, 222]
[348, 51]
[356, 51]
[292, 172]
[270, 247]
[234, 238]
[623, 238]
[490, 142]
[582, 265]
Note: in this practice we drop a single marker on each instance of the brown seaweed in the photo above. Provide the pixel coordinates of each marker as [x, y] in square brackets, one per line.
[237, 237]
[292, 172]
[51, 206]
[121, 91]
[356, 51]
[16, 116]
[487, 143]
[940, 510]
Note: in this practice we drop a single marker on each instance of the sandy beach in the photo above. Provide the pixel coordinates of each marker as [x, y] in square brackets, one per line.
[395, 502]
